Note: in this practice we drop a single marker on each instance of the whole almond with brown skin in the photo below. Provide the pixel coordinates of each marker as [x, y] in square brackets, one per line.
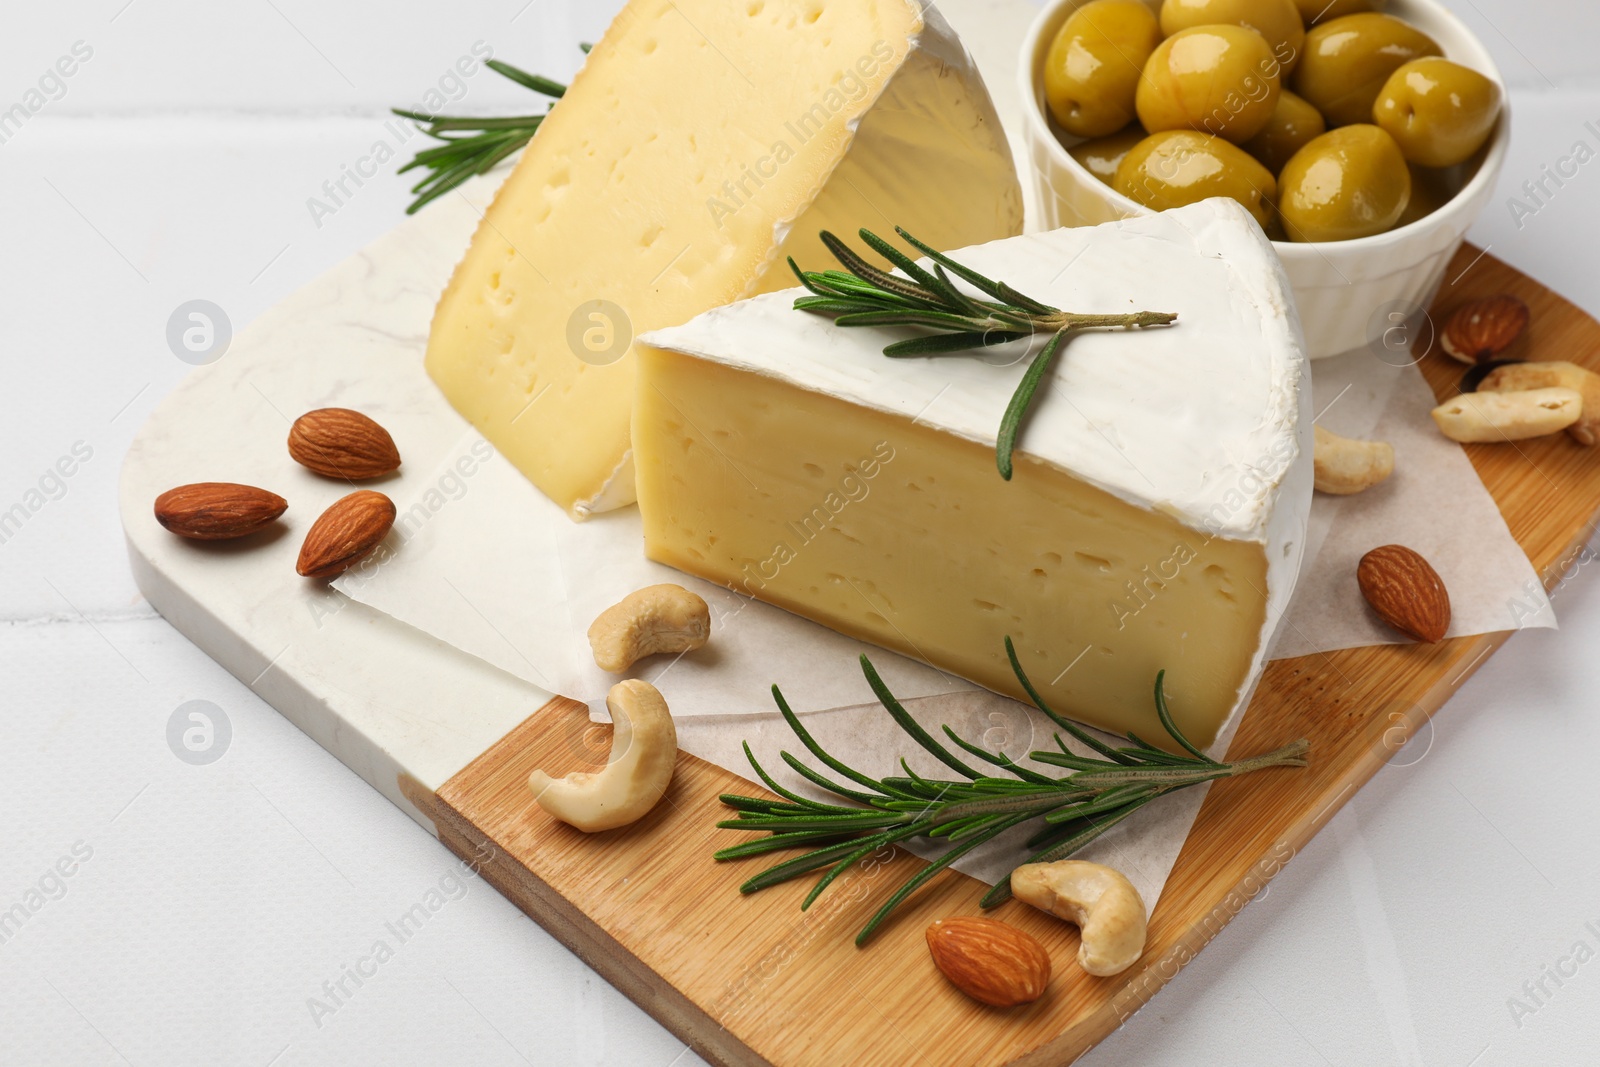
[1405, 591]
[1479, 330]
[340, 443]
[990, 961]
[217, 511]
[343, 535]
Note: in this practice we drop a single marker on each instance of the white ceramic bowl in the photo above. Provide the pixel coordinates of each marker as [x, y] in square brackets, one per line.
[1348, 292]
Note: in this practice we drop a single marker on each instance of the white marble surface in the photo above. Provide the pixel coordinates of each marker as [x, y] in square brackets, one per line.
[217, 899]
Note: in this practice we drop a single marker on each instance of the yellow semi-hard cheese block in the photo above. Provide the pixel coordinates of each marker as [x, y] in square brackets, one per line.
[1155, 520]
[702, 143]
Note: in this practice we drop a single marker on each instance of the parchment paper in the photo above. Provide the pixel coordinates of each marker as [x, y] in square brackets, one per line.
[482, 560]
[1433, 503]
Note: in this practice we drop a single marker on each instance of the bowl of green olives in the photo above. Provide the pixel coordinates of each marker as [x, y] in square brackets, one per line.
[1364, 136]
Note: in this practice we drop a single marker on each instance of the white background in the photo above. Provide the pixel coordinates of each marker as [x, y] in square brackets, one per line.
[218, 898]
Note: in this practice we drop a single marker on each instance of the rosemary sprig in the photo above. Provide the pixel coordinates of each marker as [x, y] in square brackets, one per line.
[863, 295]
[472, 145]
[1075, 808]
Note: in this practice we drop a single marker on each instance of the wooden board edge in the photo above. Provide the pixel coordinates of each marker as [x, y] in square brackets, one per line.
[568, 924]
[1155, 972]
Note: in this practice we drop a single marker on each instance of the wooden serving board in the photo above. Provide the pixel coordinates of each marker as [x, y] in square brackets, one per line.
[743, 980]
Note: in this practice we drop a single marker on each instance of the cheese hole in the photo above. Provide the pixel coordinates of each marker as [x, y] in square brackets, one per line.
[1096, 562]
[813, 470]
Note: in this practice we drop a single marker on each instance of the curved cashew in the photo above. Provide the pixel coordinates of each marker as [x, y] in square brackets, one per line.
[1107, 909]
[644, 749]
[1547, 373]
[1344, 465]
[658, 618]
[1514, 416]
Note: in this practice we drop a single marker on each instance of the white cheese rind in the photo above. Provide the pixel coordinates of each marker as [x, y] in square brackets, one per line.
[1119, 402]
[1206, 422]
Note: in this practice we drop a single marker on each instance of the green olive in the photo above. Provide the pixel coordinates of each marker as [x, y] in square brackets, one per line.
[1101, 156]
[1092, 70]
[1350, 182]
[1276, 20]
[1315, 11]
[1294, 123]
[1348, 60]
[1223, 80]
[1439, 112]
[1178, 167]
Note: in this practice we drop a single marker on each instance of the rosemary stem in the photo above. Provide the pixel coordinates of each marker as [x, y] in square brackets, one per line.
[1075, 809]
[1071, 320]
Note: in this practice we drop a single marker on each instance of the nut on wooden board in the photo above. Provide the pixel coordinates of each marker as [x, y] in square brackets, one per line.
[644, 753]
[990, 961]
[1481, 329]
[1545, 374]
[1099, 900]
[1488, 417]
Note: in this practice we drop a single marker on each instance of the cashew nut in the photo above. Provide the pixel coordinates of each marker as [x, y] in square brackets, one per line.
[1508, 416]
[1102, 902]
[657, 618]
[1344, 465]
[644, 750]
[1545, 374]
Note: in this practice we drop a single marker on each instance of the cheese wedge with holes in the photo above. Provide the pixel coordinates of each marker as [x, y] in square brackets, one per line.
[1155, 521]
[702, 143]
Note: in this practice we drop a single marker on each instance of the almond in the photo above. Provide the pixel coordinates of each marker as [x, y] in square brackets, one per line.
[217, 511]
[1405, 591]
[343, 535]
[340, 443]
[989, 960]
[1482, 329]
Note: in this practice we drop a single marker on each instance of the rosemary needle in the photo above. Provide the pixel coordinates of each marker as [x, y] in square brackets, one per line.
[1075, 808]
[472, 145]
[863, 295]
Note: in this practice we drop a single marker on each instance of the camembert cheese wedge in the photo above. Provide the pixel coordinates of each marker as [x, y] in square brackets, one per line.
[702, 143]
[1156, 519]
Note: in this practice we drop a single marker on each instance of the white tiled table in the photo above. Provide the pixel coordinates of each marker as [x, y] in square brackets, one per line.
[215, 901]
